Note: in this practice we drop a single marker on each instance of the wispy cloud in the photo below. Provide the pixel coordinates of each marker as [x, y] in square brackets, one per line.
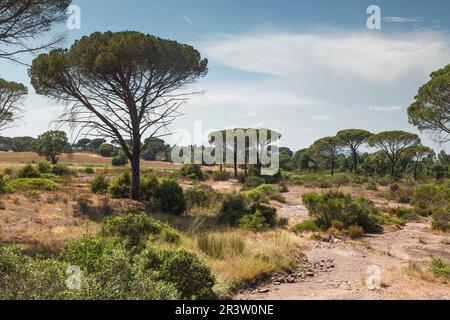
[401, 19]
[369, 56]
[187, 19]
[385, 109]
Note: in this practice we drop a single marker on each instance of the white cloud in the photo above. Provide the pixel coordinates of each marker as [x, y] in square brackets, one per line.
[386, 109]
[401, 19]
[364, 55]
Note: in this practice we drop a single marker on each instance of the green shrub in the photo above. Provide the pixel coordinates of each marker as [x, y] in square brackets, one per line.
[44, 167]
[99, 184]
[182, 269]
[170, 197]
[265, 193]
[426, 198]
[338, 225]
[192, 171]
[60, 170]
[199, 195]
[440, 268]
[233, 209]
[25, 278]
[221, 176]
[305, 226]
[343, 207]
[254, 222]
[119, 160]
[253, 182]
[31, 184]
[371, 185]
[28, 171]
[88, 170]
[355, 232]
[88, 252]
[389, 219]
[340, 179]
[2, 184]
[119, 187]
[136, 229]
[441, 219]
[268, 213]
[149, 185]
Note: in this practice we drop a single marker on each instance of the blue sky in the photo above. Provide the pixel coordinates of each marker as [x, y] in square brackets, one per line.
[306, 68]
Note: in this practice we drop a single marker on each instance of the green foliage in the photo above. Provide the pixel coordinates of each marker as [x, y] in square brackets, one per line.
[181, 268]
[88, 170]
[233, 208]
[25, 278]
[149, 186]
[199, 195]
[427, 198]
[119, 188]
[343, 207]
[306, 226]
[119, 160]
[265, 193]
[221, 176]
[269, 214]
[60, 170]
[28, 171]
[107, 150]
[441, 220]
[136, 229]
[31, 184]
[44, 167]
[100, 184]
[170, 197]
[430, 112]
[192, 171]
[2, 184]
[51, 144]
[253, 182]
[390, 219]
[254, 222]
[440, 267]
[155, 149]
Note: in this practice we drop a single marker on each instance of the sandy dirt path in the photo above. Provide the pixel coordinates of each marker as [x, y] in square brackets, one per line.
[391, 252]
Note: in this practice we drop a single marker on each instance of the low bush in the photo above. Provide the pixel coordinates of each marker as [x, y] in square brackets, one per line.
[199, 195]
[221, 176]
[371, 185]
[268, 213]
[170, 197]
[306, 226]
[2, 184]
[44, 167]
[28, 172]
[343, 207]
[265, 193]
[25, 278]
[60, 170]
[88, 170]
[119, 188]
[390, 219]
[233, 208]
[253, 182]
[192, 171]
[100, 184]
[255, 222]
[441, 220]
[427, 198]
[136, 229]
[31, 184]
[182, 269]
[120, 160]
[440, 268]
[149, 185]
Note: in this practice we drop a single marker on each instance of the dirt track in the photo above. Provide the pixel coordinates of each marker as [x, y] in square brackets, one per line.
[391, 251]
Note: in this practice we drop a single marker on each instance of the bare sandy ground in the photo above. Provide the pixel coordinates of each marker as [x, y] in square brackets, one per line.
[391, 252]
